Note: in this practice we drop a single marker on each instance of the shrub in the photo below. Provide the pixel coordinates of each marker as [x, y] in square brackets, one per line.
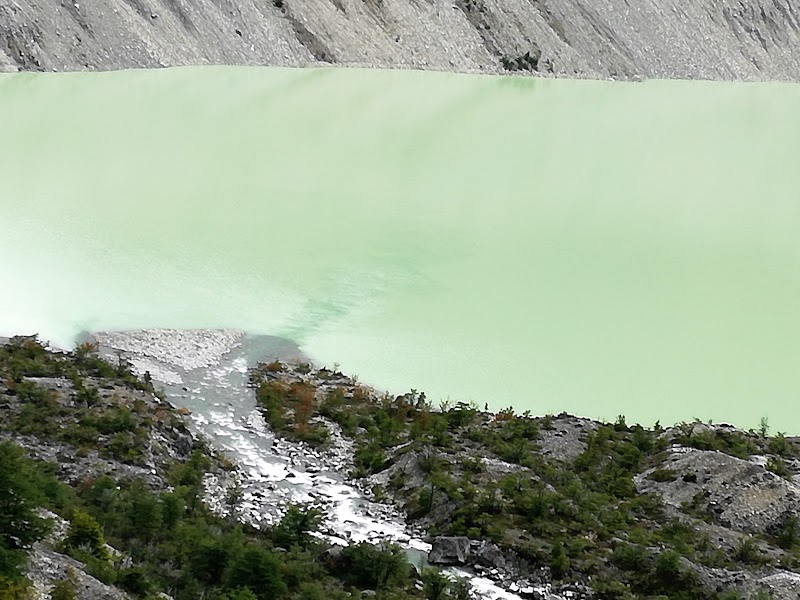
[259, 571]
[241, 593]
[117, 420]
[436, 584]
[789, 532]
[748, 552]
[312, 591]
[462, 415]
[271, 396]
[663, 475]
[559, 561]
[374, 567]
[629, 557]
[85, 536]
[13, 589]
[369, 458]
[65, 589]
[19, 524]
[134, 581]
[778, 466]
[780, 445]
[296, 526]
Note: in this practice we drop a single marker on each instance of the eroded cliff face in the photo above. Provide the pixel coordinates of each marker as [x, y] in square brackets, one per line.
[702, 39]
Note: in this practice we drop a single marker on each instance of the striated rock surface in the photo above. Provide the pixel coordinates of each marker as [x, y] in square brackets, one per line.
[702, 39]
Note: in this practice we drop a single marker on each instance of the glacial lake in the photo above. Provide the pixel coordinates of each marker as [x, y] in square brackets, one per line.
[595, 247]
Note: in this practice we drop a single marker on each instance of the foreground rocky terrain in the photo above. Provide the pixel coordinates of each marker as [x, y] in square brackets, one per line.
[598, 509]
[702, 39]
[515, 506]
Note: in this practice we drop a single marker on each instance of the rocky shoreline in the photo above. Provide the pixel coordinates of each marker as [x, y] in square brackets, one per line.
[722, 501]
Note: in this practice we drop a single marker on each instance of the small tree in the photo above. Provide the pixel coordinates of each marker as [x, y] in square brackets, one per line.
[296, 526]
[20, 526]
[172, 509]
[559, 561]
[65, 589]
[303, 396]
[233, 500]
[374, 567]
[259, 571]
[436, 584]
[84, 535]
[763, 427]
[241, 593]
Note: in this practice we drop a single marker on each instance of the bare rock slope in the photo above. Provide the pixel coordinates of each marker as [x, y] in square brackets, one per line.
[701, 39]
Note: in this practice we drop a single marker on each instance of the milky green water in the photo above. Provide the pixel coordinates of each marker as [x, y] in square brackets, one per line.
[594, 247]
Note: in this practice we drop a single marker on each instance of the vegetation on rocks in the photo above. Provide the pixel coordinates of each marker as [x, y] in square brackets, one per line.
[150, 534]
[554, 498]
[495, 478]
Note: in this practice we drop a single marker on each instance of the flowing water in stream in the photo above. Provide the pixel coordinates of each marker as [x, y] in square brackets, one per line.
[207, 372]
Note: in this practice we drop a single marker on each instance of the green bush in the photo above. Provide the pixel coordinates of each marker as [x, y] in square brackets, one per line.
[20, 526]
[778, 466]
[374, 567]
[296, 526]
[86, 536]
[135, 581]
[14, 589]
[65, 589]
[369, 458]
[259, 571]
[117, 420]
[781, 446]
[241, 593]
[748, 552]
[663, 475]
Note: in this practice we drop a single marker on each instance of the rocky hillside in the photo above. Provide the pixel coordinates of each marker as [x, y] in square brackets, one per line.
[80, 421]
[549, 507]
[105, 494]
[604, 510]
[701, 39]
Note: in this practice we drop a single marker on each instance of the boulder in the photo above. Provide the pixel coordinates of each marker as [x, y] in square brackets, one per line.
[490, 555]
[331, 558]
[446, 550]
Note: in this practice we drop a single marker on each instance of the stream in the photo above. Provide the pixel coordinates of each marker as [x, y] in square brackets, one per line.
[206, 372]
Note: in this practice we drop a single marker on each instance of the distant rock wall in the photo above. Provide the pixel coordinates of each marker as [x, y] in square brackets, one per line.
[699, 39]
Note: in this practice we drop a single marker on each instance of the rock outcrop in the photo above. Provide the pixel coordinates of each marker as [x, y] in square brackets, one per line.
[702, 39]
[449, 550]
[502, 495]
[737, 494]
[47, 567]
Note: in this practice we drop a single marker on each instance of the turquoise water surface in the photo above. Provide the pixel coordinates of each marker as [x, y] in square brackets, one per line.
[594, 247]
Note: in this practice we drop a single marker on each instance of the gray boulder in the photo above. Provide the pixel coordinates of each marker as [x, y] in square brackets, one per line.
[332, 557]
[490, 555]
[446, 550]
